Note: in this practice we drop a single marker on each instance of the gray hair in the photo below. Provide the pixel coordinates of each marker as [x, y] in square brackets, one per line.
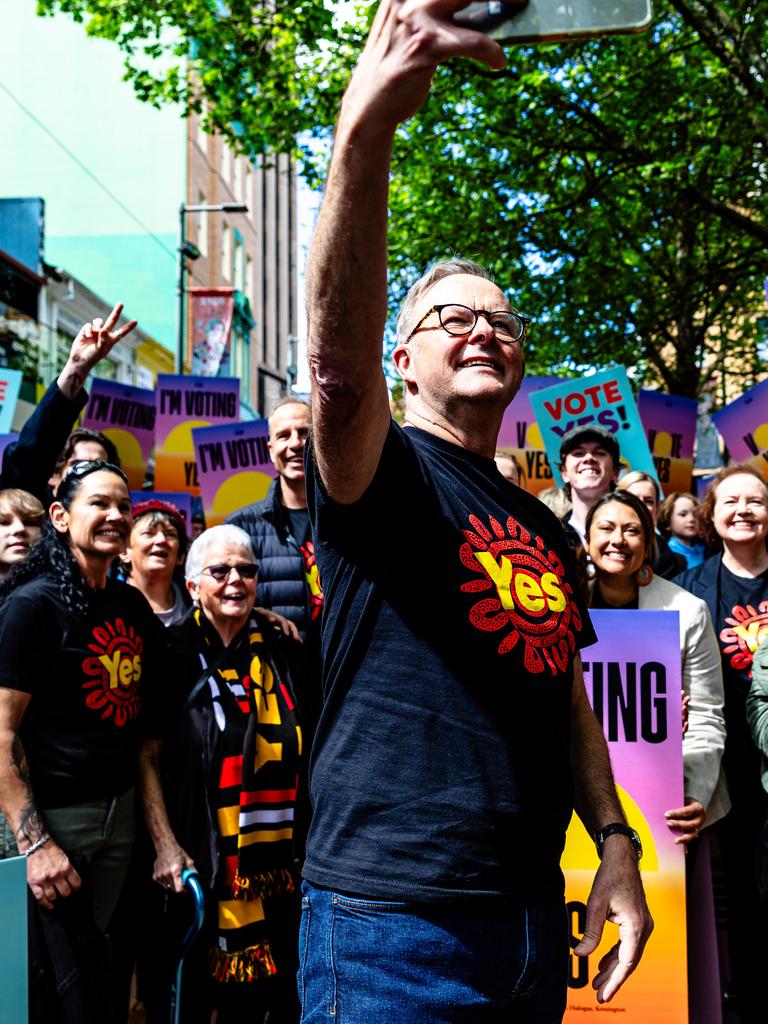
[227, 533]
[289, 400]
[435, 272]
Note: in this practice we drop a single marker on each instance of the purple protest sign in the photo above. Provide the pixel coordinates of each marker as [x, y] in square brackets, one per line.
[233, 466]
[183, 404]
[126, 415]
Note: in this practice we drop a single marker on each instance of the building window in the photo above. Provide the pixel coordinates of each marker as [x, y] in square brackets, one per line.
[239, 278]
[226, 252]
[226, 162]
[202, 135]
[248, 288]
[245, 366]
[202, 227]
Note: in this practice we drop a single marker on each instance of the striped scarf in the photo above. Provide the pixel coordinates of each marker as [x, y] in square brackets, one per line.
[254, 797]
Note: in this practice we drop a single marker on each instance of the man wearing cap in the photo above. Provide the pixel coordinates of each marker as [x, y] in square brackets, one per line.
[456, 734]
[589, 466]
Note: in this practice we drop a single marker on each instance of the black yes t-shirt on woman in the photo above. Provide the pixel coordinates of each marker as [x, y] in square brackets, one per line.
[440, 768]
[87, 681]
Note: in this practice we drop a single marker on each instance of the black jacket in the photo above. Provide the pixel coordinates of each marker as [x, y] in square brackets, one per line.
[29, 462]
[282, 584]
[704, 582]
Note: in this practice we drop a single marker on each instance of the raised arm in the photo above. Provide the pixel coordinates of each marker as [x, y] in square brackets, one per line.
[29, 462]
[347, 267]
[617, 892]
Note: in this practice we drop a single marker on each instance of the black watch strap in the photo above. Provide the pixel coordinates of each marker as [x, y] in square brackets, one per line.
[618, 828]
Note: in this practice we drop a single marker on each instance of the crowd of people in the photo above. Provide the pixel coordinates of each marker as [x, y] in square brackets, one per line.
[160, 695]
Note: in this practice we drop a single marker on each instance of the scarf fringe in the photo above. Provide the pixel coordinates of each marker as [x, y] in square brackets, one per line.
[245, 965]
[262, 885]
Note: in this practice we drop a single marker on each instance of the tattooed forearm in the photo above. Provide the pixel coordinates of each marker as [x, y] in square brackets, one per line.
[19, 760]
[71, 383]
[30, 823]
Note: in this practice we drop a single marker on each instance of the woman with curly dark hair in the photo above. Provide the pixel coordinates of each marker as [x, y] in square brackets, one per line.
[734, 584]
[77, 653]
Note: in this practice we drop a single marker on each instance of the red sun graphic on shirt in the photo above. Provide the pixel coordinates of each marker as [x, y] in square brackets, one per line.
[528, 598]
[112, 686]
[746, 629]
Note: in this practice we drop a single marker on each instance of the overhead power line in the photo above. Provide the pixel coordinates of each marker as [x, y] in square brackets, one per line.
[86, 170]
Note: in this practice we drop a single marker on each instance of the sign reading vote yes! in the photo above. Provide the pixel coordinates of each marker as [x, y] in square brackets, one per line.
[604, 399]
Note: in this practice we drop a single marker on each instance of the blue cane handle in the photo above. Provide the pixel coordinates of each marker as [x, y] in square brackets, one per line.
[190, 880]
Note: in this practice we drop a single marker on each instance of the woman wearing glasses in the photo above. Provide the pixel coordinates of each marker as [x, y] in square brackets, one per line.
[220, 788]
[78, 652]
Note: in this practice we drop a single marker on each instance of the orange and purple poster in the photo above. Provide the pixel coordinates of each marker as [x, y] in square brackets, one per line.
[233, 466]
[670, 426]
[520, 436]
[743, 425]
[126, 415]
[633, 679]
[183, 404]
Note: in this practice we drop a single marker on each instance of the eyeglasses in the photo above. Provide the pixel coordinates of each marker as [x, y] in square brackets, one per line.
[509, 325]
[222, 572]
[84, 467]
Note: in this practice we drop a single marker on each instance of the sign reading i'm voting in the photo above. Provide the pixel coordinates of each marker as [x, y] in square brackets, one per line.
[604, 399]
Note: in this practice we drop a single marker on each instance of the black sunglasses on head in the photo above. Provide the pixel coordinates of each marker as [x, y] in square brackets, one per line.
[84, 467]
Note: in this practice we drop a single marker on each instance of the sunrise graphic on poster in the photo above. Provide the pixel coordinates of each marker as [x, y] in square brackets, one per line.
[126, 415]
[183, 404]
[743, 425]
[234, 467]
[520, 436]
[669, 422]
[633, 679]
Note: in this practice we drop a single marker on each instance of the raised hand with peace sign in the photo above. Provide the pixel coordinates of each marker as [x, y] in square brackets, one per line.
[94, 341]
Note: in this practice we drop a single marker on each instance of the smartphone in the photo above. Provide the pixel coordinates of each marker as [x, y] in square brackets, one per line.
[555, 20]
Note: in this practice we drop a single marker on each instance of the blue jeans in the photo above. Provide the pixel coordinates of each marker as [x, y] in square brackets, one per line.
[369, 961]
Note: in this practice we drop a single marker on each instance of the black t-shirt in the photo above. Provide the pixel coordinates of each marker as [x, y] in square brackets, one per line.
[741, 626]
[440, 768]
[87, 681]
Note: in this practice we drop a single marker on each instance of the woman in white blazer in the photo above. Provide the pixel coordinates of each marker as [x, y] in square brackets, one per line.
[620, 538]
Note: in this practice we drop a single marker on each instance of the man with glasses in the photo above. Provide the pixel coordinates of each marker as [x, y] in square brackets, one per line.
[456, 733]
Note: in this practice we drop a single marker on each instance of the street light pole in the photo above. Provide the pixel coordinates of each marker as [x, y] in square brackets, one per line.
[189, 251]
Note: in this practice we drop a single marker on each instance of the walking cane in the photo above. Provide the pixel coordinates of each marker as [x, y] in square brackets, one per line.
[191, 881]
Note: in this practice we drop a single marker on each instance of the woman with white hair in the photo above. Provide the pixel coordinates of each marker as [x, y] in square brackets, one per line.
[219, 782]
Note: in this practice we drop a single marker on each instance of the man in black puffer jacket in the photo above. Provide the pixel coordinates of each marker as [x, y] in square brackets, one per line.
[279, 529]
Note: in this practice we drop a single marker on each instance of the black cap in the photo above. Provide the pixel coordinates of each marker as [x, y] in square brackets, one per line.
[590, 432]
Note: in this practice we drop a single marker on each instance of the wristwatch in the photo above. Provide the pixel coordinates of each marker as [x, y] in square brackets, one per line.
[618, 828]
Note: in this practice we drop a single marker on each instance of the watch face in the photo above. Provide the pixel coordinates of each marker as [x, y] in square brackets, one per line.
[622, 830]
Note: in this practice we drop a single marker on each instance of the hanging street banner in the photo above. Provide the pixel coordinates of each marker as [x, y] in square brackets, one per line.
[233, 466]
[10, 384]
[743, 425]
[670, 428]
[212, 310]
[184, 403]
[181, 501]
[126, 415]
[520, 436]
[603, 398]
[635, 695]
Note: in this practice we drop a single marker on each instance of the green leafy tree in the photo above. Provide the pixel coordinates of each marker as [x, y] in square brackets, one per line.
[616, 187]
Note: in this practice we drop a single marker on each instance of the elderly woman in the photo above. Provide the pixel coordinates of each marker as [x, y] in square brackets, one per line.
[733, 583]
[21, 520]
[219, 784]
[79, 653]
